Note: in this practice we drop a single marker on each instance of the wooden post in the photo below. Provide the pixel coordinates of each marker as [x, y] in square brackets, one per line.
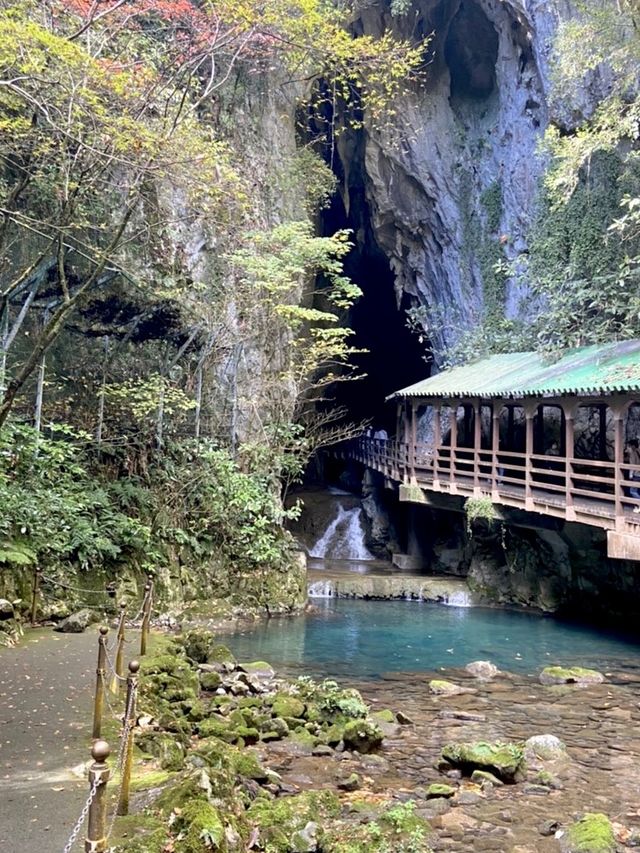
[618, 462]
[146, 617]
[129, 723]
[96, 840]
[528, 453]
[98, 699]
[602, 431]
[453, 444]
[496, 408]
[414, 433]
[437, 440]
[569, 409]
[477, 445]
[37, 574]
[119, 664]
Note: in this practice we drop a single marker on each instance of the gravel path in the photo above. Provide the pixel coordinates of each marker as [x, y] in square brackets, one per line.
[46, 689]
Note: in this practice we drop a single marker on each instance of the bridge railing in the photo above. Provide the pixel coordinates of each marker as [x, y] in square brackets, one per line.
[594, 486]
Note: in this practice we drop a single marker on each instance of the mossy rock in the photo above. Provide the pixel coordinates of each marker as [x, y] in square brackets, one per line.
[280, 819]
[216, 727]
[201, 829]
[139, 833]
[163, 746]
[285, 706]
[481, 777]
[384, 716]
[197, 644]
[185, 788]
[506, 760]
[260, 668]
[444, 688]
[397, 828]
[439, 790]
[362, 736]
[593, 833]
[277, 726]
[570, 675]
[220, 654]
[210, 681]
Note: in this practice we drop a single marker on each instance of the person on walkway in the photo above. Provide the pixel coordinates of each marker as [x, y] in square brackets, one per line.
[632, 456]
[381, 434]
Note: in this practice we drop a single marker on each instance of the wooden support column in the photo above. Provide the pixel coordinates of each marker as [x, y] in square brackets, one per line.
[496, 408]
[529, 414]
[477, 446]
[437, 441]
[570, 409]
[414, 435]
[618, 411]
[453, 444]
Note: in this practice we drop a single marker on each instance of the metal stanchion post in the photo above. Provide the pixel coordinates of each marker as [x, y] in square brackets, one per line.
[146, 617]
[96, 840]
[119, 665]
[100, 676]
[129, 723]
[34, 599]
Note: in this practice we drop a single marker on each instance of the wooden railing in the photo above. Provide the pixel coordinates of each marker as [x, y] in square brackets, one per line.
[595, 491]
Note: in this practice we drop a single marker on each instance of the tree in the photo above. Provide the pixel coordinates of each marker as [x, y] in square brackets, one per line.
[106, 106]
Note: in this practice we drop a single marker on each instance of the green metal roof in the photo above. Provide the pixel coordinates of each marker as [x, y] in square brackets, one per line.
[587, 371]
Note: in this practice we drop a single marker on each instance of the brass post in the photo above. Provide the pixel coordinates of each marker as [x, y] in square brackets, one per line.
[100, 674]
[36, 588]
[96, 840]
[119, 664]
[146, 617]
[129, 723]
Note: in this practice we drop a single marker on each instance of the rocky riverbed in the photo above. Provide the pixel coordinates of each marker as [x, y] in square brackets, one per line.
[598, 771]
[311, 761]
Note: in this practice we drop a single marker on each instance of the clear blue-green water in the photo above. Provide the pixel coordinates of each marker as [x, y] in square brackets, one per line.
[366, 639]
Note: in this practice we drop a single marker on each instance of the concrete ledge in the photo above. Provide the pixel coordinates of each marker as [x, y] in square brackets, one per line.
[623, 546]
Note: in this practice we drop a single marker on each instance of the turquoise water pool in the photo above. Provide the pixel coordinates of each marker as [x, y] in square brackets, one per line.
[366, 639]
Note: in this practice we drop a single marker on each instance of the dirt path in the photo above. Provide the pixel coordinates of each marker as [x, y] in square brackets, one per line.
[46, 687]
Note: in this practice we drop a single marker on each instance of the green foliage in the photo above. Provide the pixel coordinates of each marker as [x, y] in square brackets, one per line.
[54, 512]
[477, 509]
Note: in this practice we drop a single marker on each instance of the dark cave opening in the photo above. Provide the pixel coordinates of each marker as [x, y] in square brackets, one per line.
[471, 52]
[394, 358]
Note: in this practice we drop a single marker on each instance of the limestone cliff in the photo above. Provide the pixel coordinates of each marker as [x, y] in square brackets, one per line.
[452, 185]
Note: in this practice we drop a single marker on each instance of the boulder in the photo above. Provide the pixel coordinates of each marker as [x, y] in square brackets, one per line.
[306, 839]
[163, 746]
[210, 681]
[362, 736]
[259, 668]
[483, 777]
[545, 747]
[287, 706]
[77, 622]
[439, 790]
[445, 688]
[482, 669]
[505, 760]
[570, 675]
[6, 610]
[593, 833]
[350, 783]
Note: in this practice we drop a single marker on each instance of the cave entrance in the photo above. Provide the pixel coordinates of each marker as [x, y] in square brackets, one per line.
[471, 52]
[395, 358]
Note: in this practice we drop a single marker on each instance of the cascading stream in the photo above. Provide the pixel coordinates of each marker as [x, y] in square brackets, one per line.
[344, 538]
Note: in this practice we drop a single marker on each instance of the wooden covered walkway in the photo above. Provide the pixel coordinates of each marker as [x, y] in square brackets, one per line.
[560, 440]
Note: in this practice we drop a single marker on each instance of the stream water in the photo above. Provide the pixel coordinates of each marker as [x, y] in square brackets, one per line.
[368, 639]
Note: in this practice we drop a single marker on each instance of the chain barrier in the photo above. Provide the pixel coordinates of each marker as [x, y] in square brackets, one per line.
[128, 726]
[83, 816]
[112, 668]
[141, 611]
[74, 588]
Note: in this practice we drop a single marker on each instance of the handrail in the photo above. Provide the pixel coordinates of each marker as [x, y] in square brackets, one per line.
[536, 479]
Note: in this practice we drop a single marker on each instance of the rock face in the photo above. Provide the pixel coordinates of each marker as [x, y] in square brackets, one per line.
[452, 186]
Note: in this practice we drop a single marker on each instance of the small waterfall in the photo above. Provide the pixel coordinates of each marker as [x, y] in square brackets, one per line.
[344, 538]
[459, 598]
[321, 589]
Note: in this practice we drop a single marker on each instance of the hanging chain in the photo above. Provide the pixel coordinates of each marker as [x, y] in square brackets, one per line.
[129, 724]
[83, 816]
[74, 588]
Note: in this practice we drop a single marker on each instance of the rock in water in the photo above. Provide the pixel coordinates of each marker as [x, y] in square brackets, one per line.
[570, 675]
[482, 669]
[446, 688]
[77, 622]
[593, 833]
[505, 760]
[546, 747]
